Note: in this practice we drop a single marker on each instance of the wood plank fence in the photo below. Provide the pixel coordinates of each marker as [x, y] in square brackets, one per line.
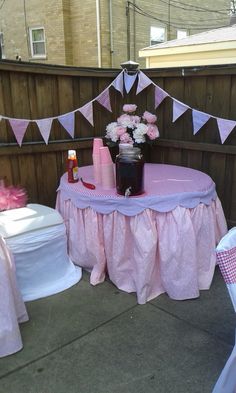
[35, 91]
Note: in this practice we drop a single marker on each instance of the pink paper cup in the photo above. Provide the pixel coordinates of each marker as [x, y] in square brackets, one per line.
[97, 143]
[105, 156]
[107, 175]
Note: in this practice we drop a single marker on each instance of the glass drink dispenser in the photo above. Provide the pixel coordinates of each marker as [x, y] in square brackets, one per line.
[129, 171]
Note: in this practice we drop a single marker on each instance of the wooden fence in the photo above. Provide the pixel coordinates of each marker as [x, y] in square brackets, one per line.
[35, 91]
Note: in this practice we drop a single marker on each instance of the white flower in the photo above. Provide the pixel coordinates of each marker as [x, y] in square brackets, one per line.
[139, 133]
[126, 121]
[111, 132]
[110, 127]
[113, 135]
[141, 129]
[139, 138]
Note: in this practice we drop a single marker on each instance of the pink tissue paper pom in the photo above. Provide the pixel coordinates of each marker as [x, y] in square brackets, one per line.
[12, 197]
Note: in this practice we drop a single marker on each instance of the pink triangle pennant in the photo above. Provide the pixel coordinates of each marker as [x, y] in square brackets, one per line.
[118, 83]
[160, 95]
[199, 119]
[178, 109]
[19, 128]
[225, 128]
[68, 122]
[44, 126]
[87, 111]
[104, 99]
[129, 81]
[143, 82]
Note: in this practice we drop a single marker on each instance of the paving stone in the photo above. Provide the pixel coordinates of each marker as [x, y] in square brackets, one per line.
[212, 311]
[98, 340]
[61, 318]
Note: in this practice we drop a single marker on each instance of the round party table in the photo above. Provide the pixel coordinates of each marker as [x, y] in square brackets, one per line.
[161, 241]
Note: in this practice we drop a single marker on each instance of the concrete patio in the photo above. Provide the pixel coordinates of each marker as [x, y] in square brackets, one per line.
[99, 340]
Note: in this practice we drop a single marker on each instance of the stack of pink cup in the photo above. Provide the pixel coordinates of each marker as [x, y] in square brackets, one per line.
[97, 143]
[107, 168]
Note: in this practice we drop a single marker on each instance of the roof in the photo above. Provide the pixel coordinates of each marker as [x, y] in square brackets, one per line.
[212, 36]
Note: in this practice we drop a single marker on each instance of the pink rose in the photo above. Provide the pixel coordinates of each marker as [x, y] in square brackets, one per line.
[152, 131]
[120, 130]
[129, 108]
[149, 117]
[125, 121]
[126, 138]
[135, 119]
[124, 118]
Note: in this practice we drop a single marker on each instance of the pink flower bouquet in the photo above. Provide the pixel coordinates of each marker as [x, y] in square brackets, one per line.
[132, 129]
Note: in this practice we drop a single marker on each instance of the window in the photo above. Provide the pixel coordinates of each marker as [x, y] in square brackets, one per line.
[37, 42]
[181, 34]
[2, 54]
[157, 35]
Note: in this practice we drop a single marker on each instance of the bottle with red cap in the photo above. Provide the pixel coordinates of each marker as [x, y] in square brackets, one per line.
[72, 167]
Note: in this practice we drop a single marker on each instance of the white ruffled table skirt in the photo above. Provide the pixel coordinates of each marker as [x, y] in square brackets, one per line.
[12, 308]
[149, 253]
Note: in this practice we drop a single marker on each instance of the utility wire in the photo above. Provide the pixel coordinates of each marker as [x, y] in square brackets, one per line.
[167, 3]
[138, 10]
[197, 8]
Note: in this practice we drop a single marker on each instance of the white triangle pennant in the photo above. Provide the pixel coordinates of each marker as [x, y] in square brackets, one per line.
[160, 95]
[68, 122]
[45, 126]
[104, 99]
[143, 82]
[129, 81]
[178, 109]
[19, 128]
[199, 119]
[87, 112]
[225, 128]
[118, 83]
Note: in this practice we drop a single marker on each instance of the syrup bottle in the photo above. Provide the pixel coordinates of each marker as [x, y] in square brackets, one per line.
[72, 167]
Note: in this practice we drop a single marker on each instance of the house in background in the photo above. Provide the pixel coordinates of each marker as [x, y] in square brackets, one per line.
[100, 33]
[208, 48]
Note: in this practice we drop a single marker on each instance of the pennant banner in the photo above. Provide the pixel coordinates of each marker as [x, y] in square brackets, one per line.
[118, 83]
[121, 82]
[87, 112]
[68, 122]
[199, 119]
[160, 95]
[143, 82]
[225, 128]
[104, 99]
[178, 109]
[129, 81]
[19, 128]
[44, 126]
